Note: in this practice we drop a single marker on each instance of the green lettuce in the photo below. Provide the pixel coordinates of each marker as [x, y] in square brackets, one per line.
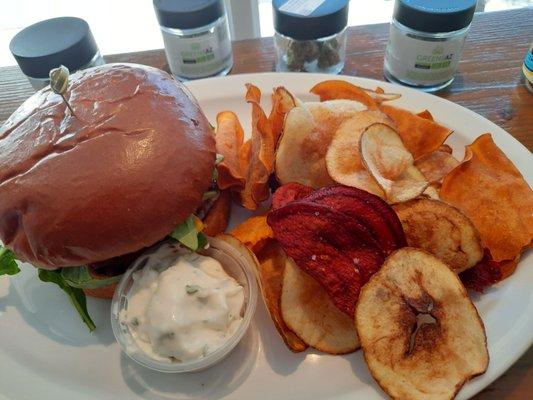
[8, 265]
[187, 234]
[76, 295]
[81, 278]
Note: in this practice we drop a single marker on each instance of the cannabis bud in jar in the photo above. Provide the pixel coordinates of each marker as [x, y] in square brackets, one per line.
[310, 36]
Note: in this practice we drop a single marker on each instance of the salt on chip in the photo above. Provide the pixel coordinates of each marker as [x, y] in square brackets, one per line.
[490, 190]
[421, 136]
[229, 139]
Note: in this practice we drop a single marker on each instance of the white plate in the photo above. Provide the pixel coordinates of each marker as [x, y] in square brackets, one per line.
[47, 353]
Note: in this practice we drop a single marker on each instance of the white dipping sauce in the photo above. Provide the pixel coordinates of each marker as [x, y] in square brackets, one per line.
[184, 311]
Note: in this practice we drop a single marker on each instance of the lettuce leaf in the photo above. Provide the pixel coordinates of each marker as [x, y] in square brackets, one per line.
[8, 265]
[76, 295]
[188, 235]
[80, 277]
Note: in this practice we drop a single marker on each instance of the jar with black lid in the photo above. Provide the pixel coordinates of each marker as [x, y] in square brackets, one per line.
[426, 41]
[310, 35]
[196, 37]
[53, 42]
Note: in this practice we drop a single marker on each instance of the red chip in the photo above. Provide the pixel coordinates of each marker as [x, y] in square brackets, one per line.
[334, 248]
[485, 273]
[289, 192]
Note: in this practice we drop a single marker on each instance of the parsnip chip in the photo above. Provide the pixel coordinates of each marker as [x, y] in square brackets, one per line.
[490, 190]
[436, 165]
[261, 163]
[442, 230]
[307, 133]
[343, 160]
[282, 103]
[253, 232]
[421, 336]
[308, 311]
[229, 138]
[216, 220]
[272, 261]
[390, 163]
[420, 136]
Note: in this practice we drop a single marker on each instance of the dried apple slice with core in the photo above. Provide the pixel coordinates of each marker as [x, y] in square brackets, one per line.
[411, 359]
[442, 230]
[390, 163]
[308, 311]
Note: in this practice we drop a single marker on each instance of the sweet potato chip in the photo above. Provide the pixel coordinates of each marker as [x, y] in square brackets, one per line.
[272, 261]
[229, 138]
[435, 166]
[343, 160]
[261, 158]
[308, 130]
[390, 163]
[337, 89]
[445, 148]
[420, 136]
[245, 153]
[253, 232]
[309, 312]
[426, 115]
[490, 190]
[216, 220]
[282, 103]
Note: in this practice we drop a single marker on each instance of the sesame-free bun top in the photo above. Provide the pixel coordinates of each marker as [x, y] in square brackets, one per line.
[118, 175]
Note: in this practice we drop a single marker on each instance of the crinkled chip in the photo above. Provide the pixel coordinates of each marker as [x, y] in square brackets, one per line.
[282, 103]
[307, 133]
[229, 138]
[253, 232]
[490, 190]
[390, 163]
[343, 159]
[421, 336]
[420, 135]
[272, 261]
[436, 165]
[308, 311]
[442, 230]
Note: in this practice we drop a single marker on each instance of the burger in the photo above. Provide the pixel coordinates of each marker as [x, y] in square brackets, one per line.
[91, 177]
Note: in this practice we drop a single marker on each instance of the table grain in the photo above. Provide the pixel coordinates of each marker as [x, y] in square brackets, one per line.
[489, 82]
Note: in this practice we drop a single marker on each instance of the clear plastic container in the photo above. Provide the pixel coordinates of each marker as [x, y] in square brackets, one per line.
[325, 55]
[236, 265]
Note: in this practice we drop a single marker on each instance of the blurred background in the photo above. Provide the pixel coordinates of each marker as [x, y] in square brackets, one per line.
[122, 26]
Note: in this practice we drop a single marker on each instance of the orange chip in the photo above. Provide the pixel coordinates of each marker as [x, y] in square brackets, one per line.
[435, 166]
[379, 90]
[337, 89]
[282, 103]
[426, 115]
[229, 137]
[420, 135]
[244, 155]
[216, 220]
[253, 232]
[445, 148]
[261, 159]
[490, 190]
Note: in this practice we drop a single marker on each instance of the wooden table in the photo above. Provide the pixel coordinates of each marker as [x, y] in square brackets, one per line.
[489, 82]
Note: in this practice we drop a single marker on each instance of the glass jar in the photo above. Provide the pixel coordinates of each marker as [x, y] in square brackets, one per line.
[527, 68]
[196, 37]
[48, 44]
[310, 35]
[426, 42]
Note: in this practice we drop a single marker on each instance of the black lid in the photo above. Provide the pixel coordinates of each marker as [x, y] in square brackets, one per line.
[188, 14]
[435, 15]
[310, 19]
[48, 44]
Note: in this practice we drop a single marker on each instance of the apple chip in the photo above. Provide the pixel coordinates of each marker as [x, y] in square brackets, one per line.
[253, 232]
[308, 311]
[261, 159]
[390, 163]
[216, 219]
[272, 261]
[229, 138]
[435, 166]
[307, 133]
[490, 190]
[282, 103]
[421, 336]
[442, 230]
[420, 135]
[343, 160]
